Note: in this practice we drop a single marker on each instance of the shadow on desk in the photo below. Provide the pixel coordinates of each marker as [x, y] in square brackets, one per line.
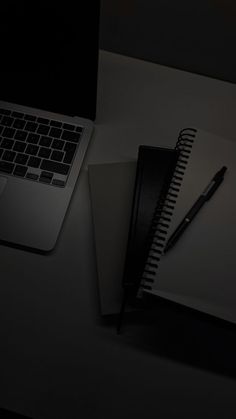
[181, 334]
[6, 414]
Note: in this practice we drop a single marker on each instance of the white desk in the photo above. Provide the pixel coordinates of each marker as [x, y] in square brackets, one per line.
[57, 359]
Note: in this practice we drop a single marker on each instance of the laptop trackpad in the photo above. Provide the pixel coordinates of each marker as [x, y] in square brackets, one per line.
[3, 182]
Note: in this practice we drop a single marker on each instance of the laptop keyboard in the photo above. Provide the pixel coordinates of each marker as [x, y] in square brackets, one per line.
[37, 148]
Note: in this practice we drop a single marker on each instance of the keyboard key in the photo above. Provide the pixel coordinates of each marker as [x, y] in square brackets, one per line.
[32, 149]
[30, 118]
[69, 127]
[43, 129]
[6, 166]
[33, 138]
[79, 129]
[56, 124]
[47, 174]
[31, 126]
[68, 157]
[9, 155]
[19, 146]
[56, 167]
[58, 144]
[17, 114]
[58, 182]
[44, 152]
[7, 143]
[21, 158]
[45, 141]
[55, 132]
[19, 123]
[57, 155]
[1, 151]
[7, 121]
[43, 121]
[21, 135]
[1, 128]
[20, 170]
[70, 147]
[5, 111]
[32, 176]
[8, 132]
[44, 179]
[34, 162]
[71, 136]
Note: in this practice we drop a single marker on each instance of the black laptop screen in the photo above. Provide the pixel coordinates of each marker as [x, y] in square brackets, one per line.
[49, 55]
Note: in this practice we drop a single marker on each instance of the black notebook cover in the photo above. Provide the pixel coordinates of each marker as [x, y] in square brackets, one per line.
[155, 167]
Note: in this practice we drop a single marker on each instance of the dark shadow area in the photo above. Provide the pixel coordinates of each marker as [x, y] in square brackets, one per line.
[197, 36]
[181, 334]
[6, 414]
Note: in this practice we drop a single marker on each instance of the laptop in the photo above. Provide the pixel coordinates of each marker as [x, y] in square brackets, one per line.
[48, 85]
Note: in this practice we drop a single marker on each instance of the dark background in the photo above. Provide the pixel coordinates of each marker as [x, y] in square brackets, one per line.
[197, 36]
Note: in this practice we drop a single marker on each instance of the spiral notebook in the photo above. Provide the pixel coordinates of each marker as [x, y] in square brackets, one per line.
[112, 187]
[200, 270]
[155, 167]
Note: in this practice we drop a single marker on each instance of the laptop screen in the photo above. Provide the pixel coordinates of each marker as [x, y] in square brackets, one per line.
[49, 55]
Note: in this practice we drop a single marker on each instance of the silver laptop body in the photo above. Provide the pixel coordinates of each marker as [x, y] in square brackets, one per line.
[34, 197]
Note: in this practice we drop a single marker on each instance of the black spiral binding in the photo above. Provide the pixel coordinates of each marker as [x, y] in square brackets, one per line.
[164, 209]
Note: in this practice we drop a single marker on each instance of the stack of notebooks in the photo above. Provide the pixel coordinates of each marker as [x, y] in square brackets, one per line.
[137, 206]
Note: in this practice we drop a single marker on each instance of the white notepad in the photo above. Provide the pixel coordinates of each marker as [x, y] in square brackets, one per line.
[200, 270]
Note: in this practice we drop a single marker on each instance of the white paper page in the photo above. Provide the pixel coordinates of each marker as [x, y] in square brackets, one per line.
[200, 270]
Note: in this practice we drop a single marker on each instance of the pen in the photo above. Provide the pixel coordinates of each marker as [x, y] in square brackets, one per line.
[205, 196]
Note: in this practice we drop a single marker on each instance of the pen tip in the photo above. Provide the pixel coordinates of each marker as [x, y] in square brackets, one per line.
[223, 170]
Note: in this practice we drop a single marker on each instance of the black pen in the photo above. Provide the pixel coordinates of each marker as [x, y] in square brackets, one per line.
[205, 196]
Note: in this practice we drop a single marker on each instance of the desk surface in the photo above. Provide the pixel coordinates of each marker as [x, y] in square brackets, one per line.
[58, 359]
